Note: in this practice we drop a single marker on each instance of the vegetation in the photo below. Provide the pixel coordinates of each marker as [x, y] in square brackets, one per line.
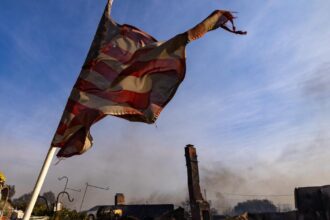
[7, 209]
[66, 214]
[50, 197]
[22, 201]
[41, 208]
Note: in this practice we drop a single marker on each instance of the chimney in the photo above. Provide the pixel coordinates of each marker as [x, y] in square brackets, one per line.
[119, 199]
[200, 209]
[193, 174]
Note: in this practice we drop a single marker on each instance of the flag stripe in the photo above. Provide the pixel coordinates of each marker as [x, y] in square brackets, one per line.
[125, 43]
[89, 100]
[110, 61]
[110, 69]
[96, 78]
[106, 106]
[134, 99]
[135, 84]
[61, 128]
[75, 107]
[160, 54]
[128, 74]
[140, 68]
[86, 118]
[118, 52]
[131, 83]
[136, 35]
[78, 108]
[105, 70]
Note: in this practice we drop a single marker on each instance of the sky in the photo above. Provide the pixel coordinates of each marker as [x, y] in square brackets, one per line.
[255, 106]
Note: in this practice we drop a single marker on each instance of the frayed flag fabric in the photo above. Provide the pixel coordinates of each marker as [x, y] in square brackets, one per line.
[128, 74]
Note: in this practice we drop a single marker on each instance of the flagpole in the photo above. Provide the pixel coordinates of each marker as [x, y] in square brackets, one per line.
[48, 160]
[40, 181]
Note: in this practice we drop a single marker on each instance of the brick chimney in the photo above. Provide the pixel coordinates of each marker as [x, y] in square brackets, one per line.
[119, 199]
[193, 174]
[200, 209]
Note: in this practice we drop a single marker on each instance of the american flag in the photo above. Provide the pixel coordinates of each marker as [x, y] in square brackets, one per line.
[128, 74]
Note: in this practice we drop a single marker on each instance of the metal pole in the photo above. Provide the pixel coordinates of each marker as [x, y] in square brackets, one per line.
[66, 183]
[56, 206]
[46, 201]
[82, 201]
[66, 193]
[108, 9]
[76, 190]
[45, 168]
[98, 187]
[39, 183]
[87, 185]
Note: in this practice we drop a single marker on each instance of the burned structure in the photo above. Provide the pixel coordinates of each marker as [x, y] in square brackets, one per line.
[121, 210]
[313, 202]
[200, 209]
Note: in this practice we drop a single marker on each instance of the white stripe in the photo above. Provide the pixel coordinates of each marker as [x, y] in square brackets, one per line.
[103, 105]
[130, 83]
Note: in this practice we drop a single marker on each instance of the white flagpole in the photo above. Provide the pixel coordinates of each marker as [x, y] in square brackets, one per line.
[46, 165]
[40, 181]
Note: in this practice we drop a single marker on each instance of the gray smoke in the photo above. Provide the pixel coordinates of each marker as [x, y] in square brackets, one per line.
[315, 90]
[219, 180]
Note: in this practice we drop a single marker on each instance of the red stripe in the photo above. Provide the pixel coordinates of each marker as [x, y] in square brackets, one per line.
[134, 99]
[61, 128]
[140, 68]
[85, 86]
[140, 52]
[75, 107]
[105, 70]
[117, 52]
[70, 141]
[87, 118]
[122, 56]
[136, 34]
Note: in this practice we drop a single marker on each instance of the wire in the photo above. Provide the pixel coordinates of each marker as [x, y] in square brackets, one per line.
[258, 195]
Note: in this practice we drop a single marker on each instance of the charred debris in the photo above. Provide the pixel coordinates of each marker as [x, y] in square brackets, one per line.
[312, 203]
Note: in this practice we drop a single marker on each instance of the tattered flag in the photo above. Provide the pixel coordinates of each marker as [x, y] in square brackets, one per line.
[128, 74]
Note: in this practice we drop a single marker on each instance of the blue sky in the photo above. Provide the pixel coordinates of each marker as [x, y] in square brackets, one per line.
[256, 106]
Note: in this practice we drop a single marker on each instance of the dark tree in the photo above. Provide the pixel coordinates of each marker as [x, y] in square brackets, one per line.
[50, 196]
[66, 214]
[22, 201]
[254, 206]
[40, 208]
[12, 191]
